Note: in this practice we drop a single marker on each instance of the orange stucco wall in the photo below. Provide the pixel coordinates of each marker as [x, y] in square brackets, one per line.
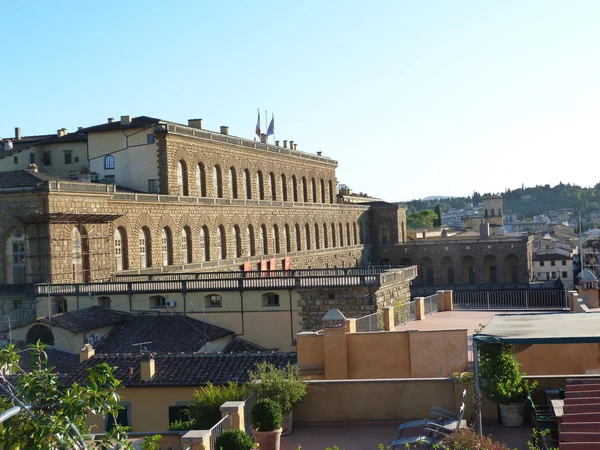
[383, 354]
[560, 359]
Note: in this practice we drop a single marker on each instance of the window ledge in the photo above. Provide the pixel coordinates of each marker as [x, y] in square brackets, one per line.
[271, 306]
[213, 306]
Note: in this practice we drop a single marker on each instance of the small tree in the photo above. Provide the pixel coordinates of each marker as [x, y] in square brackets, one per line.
[281, 385]
[56, 416]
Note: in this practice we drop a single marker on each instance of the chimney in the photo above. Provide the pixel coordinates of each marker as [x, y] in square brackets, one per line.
[484, 230]
[276, 143]
[291, 145]
[125, 120]
[319, 153]
[284, 144]
[295, 146]
[79, 128]
[32, 168]
[263, 138]
[224, 129]
[111, 120]
[85, 175]
[195, 123]
[62, 132]
[8, 145]
[147, 366]
[86, 352]
[17, 133]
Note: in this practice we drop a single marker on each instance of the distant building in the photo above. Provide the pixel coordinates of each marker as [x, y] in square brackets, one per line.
[492, 215]
[346, 195]
[551, 267]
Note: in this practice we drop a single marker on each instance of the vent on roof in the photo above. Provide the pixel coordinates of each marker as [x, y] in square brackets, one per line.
[8, 145]
[111, 120]
[62, 132]
[224, 129]
[195, 123]
[125, 120]
[17, 133]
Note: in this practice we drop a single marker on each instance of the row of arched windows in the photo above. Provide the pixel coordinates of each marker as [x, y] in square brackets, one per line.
[265, 186]
[235, 242]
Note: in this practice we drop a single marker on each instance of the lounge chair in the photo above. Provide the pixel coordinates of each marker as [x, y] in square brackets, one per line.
[438, 416]
[542, 417]
[429, 438]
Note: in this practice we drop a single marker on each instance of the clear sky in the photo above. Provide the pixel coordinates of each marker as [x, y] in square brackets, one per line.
[412, 98]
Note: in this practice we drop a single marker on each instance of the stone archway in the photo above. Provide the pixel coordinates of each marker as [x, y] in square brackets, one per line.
[490, 269]
[511, 269]
[468, 270]
[426, 271]
[40, 333]
[448, 276]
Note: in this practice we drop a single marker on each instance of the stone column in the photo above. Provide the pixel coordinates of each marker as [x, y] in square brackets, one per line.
[420, 307]
[350, 325]
[335, 349]
[196, 440]
[236, 411]
[388, 318]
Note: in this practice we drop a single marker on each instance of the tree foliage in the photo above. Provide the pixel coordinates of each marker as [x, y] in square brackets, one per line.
[280, 384]
[422, 219]
[56, 418]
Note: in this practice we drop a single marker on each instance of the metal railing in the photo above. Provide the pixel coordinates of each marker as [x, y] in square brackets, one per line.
[405, 313]
[431, 304]
[371, 322]
[525, 300]
[222, 425]
[248, 405]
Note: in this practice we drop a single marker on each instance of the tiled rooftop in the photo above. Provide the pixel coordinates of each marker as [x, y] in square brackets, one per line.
[86, 319]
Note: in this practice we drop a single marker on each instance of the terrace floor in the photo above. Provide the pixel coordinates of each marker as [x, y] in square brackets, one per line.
[369, 437]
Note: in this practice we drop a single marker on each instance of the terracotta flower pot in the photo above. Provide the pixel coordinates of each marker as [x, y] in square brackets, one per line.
[267, 440]
[512, 414]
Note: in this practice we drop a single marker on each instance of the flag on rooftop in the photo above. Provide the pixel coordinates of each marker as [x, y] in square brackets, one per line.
[258, 123]
[271, 129]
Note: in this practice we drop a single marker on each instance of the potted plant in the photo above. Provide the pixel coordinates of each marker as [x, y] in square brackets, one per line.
[234, 440]
[282, 385]
[503, 382]
[266, 424]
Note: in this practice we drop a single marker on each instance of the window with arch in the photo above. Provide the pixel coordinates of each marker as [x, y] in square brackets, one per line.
[233, 182]
[492, 212]
[166, 240]
[260, 185]
[264, 240]
[277, 248]
[284, 195]
[307, 234]
[317, 243]
[294, 188]
[348, 240]
[384, 233]
[322, 191]
[182, 182]
[213, 301]
[313, 188]
[286, 238]
[80, 262]
[204, 243]
[201, 180]
[248, 184]
[298, 238]
[325, 240]
[273, 186]
[270, 299]
[120, 247]
[104, 302]
[237, 239]
[158, 301]
[341, 234]
[251, 244]
[361, 233]
[186, 245]
[218, 181]
[330, 191]
[304, 190]
[15, 253]
[145, 253]
[333, 237]
[354, 233]
[109, 162]
[222, 242]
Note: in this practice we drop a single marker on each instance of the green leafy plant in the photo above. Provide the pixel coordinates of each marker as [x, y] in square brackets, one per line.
[501, 373]
[465, 438]
[151, 442]
[282, 385]
[234, 440]
[266, 415]
[204, 411]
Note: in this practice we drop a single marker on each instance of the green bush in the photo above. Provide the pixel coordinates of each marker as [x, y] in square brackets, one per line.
[266, 415]
[465, 438]
[204, 411]
[234, 440]
[281, 385]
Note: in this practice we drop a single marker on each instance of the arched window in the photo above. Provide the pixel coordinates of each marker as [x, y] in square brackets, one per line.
[270, 299]
[325, 239]
[348, 240]
[284, 188]
[248, 184]
[237, 240]
[317, 243]
[304, 190]
[333, 239]
[186, 245]
[298, 238]
[341, 235]
[120, 245]
[361, 233]
[307, 233]
[286, 232]
[264, 239]
[166, 246]
[201, 180]
[276, 239]
[260, 186]
[492, 213]
[313, 188]
[384, 233]
[273, 186]
[204, 243]
[251, 245]
[80, 265]
[222, 242]
[322, 191]
[294, 188]
[182, 178]
[218, 181]
[213, 300]
[233, 182]
[15, 254]
[109, 162]
[104, 302]
[354, 233]
[330, 191]
[145, 253]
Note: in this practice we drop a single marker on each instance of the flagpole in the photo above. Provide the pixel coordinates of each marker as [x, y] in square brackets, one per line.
[273, 119]
[266, 121]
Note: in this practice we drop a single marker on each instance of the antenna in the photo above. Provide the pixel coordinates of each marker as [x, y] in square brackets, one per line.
[142, 349]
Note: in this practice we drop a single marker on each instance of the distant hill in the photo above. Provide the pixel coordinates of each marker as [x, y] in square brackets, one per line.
[437, 197]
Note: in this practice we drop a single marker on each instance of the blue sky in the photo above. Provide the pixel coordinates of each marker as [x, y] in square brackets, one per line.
[412, 98]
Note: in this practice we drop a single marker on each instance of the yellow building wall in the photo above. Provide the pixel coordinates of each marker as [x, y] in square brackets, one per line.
[133, 167]
[560, 359]
[58, 167]
[63, 339]
[431, 350]
[384, 354]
